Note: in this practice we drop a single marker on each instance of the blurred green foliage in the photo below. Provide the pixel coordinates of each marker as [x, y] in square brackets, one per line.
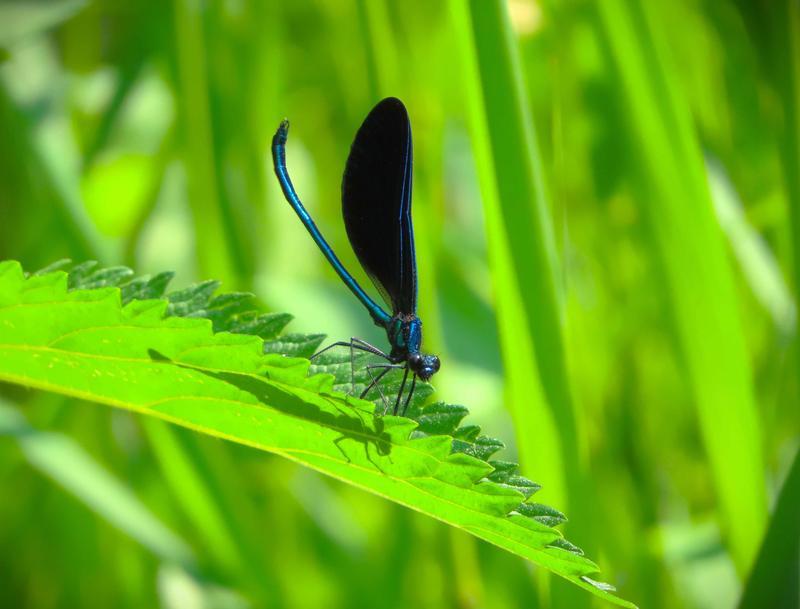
[607, 207]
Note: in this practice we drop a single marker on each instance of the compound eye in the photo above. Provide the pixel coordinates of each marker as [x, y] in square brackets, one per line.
[435, 363]
[414, 360]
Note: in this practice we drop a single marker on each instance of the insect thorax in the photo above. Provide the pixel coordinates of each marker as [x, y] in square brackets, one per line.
[405, 335]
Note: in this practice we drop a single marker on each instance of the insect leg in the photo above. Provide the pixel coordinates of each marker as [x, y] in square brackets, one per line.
[353, 343]
[365, 346]
[410, 393]
[341, 343]
[357, 343]
[352, 368]
[400, 393]
[375, 380]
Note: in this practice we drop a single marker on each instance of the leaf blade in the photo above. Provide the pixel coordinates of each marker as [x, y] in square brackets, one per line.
[86, 344]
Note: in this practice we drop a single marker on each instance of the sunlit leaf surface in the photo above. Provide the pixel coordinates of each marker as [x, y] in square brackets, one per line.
[85, 343]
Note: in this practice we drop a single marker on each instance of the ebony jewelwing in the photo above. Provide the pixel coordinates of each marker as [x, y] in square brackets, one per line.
[376, 207]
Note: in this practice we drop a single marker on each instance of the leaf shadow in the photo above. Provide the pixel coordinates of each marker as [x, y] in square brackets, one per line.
[352, 423]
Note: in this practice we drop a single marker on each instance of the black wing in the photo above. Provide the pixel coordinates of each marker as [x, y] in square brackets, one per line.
[376, 203]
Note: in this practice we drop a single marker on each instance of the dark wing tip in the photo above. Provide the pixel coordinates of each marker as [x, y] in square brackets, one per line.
[390, 105]
[393, 101]
[389, 116]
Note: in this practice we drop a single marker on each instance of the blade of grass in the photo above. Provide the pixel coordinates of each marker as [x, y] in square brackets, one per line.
[195, 497]
[701, 290]
[36, 209]
[524, 261]
[65, 462]
[201, 500]
[754, 256]
[786, 56]
[775, 579]
[523, 207]
[519, 235]
[219, 253]
[518, 358]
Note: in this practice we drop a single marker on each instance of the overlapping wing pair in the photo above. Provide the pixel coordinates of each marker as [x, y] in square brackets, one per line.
[376, 203]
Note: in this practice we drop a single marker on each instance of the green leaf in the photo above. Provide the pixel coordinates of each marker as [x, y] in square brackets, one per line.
[91, 345]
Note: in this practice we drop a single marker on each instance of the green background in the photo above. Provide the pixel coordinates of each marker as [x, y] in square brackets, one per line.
[607, 208]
